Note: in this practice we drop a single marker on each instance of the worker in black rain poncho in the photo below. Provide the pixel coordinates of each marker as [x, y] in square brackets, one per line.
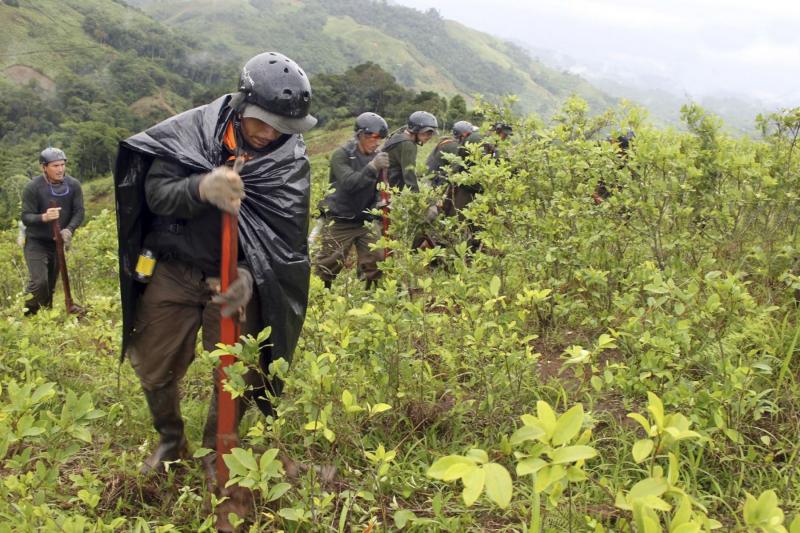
[172, 181]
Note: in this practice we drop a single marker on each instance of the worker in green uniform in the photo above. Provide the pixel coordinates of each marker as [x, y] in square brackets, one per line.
[439, 165]
[347, 221]
[402, 149]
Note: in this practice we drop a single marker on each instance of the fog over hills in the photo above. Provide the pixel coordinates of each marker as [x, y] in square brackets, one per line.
[420, 48]
[735, 57]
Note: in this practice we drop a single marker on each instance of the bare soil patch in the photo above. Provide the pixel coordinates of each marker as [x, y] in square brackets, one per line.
[23, 74]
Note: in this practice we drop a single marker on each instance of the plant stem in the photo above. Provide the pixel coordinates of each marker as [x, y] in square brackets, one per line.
[536, 508]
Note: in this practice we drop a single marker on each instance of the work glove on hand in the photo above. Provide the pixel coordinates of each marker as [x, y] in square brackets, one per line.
[379, 162]
[66, 235]
[238, 294]
[223, 188]
[431, 214]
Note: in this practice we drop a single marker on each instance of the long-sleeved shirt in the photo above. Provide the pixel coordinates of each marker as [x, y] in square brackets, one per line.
[441, 167]
[36, 199]
[354, 184]
[402, 161]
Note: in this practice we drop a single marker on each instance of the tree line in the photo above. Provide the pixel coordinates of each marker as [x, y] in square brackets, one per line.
[88, 115]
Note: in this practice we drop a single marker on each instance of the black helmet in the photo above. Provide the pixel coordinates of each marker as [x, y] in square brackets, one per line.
[51, 154]
[505, 127]
[421, 122]
[461, 127]
[371, 123]
[623, 141]
[278, 92]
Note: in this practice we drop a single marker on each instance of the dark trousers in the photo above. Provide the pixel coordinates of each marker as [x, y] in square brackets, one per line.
[42, 261]
[338, 237]
[176, 305]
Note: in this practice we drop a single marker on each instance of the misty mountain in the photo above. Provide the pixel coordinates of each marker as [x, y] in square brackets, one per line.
[422, 50]
[661, 96]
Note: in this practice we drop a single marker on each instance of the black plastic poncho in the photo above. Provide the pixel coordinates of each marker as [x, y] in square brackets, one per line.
[273, 220]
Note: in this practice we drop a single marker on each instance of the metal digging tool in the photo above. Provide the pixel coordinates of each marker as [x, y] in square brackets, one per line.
[227, 435]
[72, 307]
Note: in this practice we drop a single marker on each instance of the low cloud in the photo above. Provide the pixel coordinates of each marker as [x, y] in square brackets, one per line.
[703, 45]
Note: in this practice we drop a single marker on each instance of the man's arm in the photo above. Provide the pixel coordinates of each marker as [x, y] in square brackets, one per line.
[348, 179]
[408, 162]
[78, 212]
[31, 215]
[171, 190]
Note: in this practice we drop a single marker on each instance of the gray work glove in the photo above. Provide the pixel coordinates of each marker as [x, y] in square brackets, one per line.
[379, 162]
[66, 235]
[238, 294]
[223, 188]
[431, 214]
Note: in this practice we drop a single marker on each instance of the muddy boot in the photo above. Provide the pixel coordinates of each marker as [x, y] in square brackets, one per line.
[165, 408]
[31, 307]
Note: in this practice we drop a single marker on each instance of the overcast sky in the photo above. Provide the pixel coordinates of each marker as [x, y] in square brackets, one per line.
[698, 47]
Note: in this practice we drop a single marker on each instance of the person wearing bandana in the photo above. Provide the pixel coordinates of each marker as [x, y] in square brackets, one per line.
[53, 195]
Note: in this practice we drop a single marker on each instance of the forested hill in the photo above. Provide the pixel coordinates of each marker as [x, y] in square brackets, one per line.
[82, 74]
[422, 50]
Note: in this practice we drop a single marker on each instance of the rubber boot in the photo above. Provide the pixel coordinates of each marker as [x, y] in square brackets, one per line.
[31, 307]
[165, 407]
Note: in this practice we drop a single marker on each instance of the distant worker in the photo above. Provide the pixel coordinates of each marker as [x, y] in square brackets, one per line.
[502, 129]
[402, 149]
[440, 166]
[459, 195]
[52, 196]
[354, 175]
[622, 144]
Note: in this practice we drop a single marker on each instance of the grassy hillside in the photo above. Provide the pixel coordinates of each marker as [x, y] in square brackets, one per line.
[422, 50]
[42, 39]
[82, 74]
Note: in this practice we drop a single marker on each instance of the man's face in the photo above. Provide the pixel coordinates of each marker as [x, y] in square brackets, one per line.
[55, 171]
[368, 142]
[424, 137]
[258, 134]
